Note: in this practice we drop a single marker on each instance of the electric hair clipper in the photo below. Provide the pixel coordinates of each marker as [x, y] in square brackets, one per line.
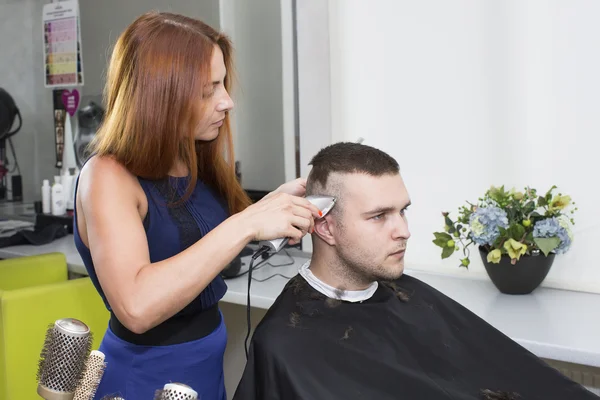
[323, 203]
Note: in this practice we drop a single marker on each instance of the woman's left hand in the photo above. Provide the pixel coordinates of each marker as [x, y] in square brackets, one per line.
[297, 187]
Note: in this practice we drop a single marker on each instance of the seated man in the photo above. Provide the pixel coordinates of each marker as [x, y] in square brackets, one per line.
[351, 325]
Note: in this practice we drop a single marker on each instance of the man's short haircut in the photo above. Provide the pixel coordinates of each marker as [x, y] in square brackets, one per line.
[347, 158]
[332, 162]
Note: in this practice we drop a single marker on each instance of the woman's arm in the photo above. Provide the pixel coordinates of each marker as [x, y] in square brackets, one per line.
[144, 294]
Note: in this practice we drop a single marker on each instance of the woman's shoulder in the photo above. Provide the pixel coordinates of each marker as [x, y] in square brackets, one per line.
[106, 163]
[105, 182]
[105, 166]
[106, 171]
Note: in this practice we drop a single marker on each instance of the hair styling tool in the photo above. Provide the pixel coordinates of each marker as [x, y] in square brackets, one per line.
[323, 203]
[62, 359]
[92, 375]
[176, 391]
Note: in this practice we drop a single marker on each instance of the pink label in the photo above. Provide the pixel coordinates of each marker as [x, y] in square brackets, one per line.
[70, 99]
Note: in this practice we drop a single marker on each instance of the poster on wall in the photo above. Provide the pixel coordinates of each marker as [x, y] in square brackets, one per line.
[63, 64]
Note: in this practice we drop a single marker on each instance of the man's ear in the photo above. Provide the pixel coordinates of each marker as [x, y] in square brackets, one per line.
[325, 229]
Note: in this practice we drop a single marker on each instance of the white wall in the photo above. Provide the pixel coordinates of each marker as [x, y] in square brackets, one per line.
[470, 93]
[558, 119]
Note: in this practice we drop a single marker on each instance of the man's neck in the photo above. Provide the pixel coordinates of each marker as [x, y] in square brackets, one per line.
[341, 291]
[335, 274]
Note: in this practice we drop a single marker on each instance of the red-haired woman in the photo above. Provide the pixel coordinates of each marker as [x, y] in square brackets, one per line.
[159, 212]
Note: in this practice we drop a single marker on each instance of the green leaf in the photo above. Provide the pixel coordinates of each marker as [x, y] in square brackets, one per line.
[441, 239]
[442, 235]
[549, 193]
[447, 252]
[529, 237]
[440, 242]
[529, 207]
[448, 221]
[542, 201]
[511, 213]
[517, 231]
[546, 245]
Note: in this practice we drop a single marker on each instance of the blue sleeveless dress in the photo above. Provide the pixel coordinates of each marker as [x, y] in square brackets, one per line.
[136, 371]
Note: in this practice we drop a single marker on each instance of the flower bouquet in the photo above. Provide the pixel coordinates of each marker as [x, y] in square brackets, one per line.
[519, 232]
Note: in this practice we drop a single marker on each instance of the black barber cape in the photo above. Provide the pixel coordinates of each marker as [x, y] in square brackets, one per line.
[408, 341]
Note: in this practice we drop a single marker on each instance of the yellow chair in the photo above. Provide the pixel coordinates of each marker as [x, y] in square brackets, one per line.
[35, 292]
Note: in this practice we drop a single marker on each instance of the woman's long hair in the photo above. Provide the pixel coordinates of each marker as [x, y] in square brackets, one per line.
[156, 77]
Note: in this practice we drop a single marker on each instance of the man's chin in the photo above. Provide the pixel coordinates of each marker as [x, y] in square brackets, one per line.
[397, 268]
[391, 272]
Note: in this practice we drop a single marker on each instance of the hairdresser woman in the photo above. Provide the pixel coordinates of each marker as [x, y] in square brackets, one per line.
[159, 212]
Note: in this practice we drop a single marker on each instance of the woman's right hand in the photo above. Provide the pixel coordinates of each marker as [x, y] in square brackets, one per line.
[280, 215]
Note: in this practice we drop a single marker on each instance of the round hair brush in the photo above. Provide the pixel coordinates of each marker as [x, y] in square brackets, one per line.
[92, 375]
[176, 391]
[62, 359]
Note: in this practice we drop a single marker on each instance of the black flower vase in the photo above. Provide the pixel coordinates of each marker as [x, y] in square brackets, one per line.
[523, 277]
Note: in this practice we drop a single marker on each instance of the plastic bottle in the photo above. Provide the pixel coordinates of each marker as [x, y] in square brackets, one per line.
[46, 196]
[67, 181]
[74, 176]
[58, 197]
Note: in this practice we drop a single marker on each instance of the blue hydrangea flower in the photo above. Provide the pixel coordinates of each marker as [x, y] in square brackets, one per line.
[484, 224]
[554, 227]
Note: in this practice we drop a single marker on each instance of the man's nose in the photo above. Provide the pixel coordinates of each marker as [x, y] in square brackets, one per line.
[401, 230]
